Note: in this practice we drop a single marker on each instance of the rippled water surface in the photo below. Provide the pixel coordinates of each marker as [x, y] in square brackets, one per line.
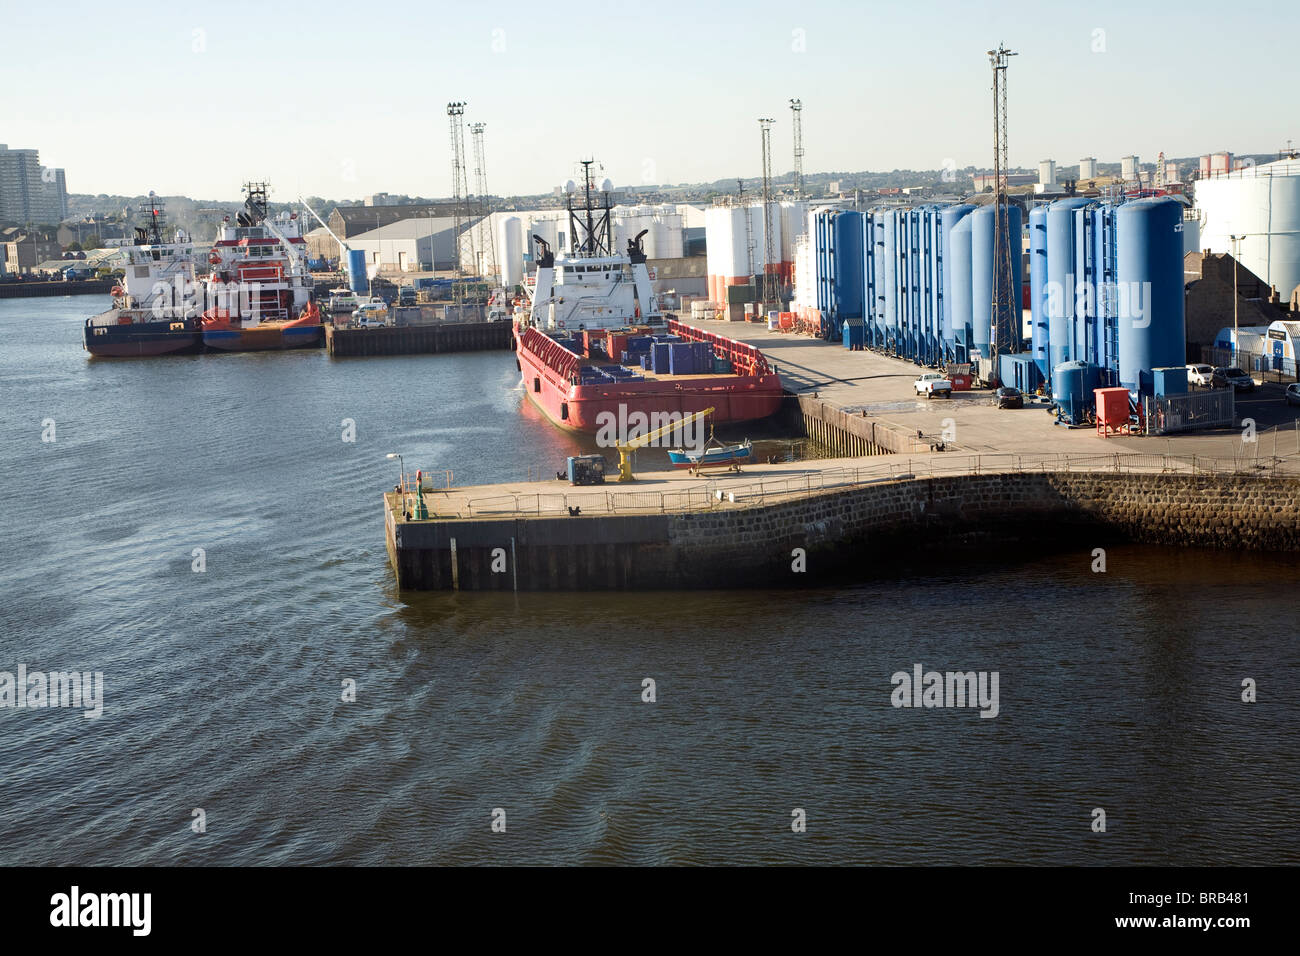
[1118, 690]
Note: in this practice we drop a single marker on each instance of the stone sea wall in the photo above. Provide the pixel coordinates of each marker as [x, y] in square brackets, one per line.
[755, 546]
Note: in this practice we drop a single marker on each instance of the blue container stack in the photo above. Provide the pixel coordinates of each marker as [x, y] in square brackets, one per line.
[638, 346]
[681, 358]
[659, 357]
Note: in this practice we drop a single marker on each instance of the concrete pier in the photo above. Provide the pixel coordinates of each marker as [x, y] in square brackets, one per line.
[918, 475]
[418, 339]
[758, 528]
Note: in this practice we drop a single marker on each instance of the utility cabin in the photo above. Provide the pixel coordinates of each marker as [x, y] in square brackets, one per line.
[586, 469]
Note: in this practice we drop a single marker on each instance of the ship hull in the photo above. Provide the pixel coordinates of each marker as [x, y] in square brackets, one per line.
[141, 339]
[588, 409]
[264, 338]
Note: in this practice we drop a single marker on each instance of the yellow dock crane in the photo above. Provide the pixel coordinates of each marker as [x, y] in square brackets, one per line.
[625, 450]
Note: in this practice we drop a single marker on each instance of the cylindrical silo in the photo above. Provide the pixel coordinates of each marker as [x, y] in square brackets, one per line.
[1084, 314]
[848, 264]
[512, 246]
[887, 279]
[1152, 327]
[933, 286]
[958, 263]
[1059, 294]
[1039, 332]
[948, 220]
[1262, 204]
[870, 301]
[357, 280]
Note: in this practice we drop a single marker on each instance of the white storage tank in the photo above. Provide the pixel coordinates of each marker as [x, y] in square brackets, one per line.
[1262, 204]
[511, 243]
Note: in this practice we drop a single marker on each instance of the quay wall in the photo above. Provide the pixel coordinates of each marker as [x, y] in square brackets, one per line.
[752, 546]
[418, 339]
[853, 435]
[23, 290]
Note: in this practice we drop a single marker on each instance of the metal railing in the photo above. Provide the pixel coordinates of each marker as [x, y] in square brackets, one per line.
[738, 492]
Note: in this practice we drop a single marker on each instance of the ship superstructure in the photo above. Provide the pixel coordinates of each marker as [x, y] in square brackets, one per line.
[258, 292]
[595, 350]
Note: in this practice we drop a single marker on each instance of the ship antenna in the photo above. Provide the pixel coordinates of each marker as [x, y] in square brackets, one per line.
[591, 226]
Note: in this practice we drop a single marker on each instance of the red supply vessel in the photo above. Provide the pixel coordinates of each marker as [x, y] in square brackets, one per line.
[595, 351]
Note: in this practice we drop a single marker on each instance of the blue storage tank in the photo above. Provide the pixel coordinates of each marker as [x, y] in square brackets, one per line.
[958, 266]
[1073, 387]
[948, 220]
[1037, 286]
[1104, 266]
[357, 280]
[869, 303]
[982, 278]
[847, 231]
[1149, 277]
[1058, 296]
[1086, 336]
[887, 286]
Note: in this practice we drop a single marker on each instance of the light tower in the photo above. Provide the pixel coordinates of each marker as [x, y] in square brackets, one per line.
[1004, 331]
[480, 180]
[460, 213]
[796, 108]
[769, 278]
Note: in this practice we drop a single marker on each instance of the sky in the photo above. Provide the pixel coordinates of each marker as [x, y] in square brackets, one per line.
[342, 100]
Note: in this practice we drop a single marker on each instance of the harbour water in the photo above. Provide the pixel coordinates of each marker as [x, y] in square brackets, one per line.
[223, 687]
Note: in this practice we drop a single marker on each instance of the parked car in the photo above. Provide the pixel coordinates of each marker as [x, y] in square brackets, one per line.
[1008, 397]
[931, 384]
[371, 315]
[1200, 375]
[1234, 377]
[1293, 393]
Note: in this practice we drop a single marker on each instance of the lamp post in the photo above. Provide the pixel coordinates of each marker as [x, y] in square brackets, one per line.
[1236, 251]
[401, 466]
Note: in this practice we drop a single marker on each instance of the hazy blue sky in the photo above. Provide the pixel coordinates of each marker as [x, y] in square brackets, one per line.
[345, 99]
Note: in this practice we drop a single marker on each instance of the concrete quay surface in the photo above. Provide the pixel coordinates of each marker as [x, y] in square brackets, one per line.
[881, 387]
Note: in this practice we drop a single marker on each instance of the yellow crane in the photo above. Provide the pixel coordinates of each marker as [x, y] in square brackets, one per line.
[625, 450]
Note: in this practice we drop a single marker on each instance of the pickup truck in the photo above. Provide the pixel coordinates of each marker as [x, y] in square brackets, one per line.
[931, 384]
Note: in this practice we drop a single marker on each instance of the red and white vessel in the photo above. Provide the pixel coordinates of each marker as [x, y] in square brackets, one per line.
[258, 294]
[589, 308]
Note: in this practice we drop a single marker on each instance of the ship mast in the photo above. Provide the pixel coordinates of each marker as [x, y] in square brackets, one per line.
[153, 210]
[595, 231]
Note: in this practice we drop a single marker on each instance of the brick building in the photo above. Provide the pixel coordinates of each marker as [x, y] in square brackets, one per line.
[1207, 278]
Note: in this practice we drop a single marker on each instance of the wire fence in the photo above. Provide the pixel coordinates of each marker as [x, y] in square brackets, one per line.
[740, 492]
